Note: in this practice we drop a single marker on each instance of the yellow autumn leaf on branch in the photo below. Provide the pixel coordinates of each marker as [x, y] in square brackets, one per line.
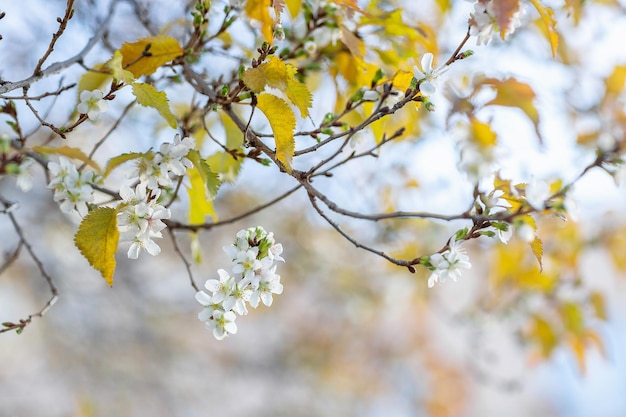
[482, 134]
[148, 95]
[73, 153]
[283, 122]
[200, 205]
[94, 80]
[276, 73]
[513, 93]
[97, 238]
[144, 56]
[547, 16]
[259, 10]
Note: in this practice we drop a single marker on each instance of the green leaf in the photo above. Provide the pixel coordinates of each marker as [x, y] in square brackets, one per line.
[226, 165]
[73, 153]
[149, 96]
[209, 178]
[283, 122]
[120, 159]
[97, 238]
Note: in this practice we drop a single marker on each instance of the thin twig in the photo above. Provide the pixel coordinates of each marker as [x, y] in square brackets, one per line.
[19, 327]
[182, 257]
[57, 67]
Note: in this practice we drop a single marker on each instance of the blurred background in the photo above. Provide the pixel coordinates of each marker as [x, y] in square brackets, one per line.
[351, 335]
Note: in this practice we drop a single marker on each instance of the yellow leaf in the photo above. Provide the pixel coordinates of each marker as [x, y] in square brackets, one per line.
[116, 67]
[120, 159]
[402, 80]
[537, 248]
[504, 11]
[616, 81]
[73, 153]
[482, 133]
[599, 305]
[259, 10]
[148, 96]
[234, 136]
[226, 165]
[510, 195]
[573, 318]
[512, 93]
[575, 8]
[93, 80]
[277, 74]
[578, 349]
[199, 205]
[547, 16]
[542, 331]
[283, 122]
[97, 239]
[144, 56]
[354, 44]
[294, 7]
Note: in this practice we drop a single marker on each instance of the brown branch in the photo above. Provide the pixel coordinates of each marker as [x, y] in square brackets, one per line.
[57, 67]
[69, 13]
[19, 327]
[182, 258]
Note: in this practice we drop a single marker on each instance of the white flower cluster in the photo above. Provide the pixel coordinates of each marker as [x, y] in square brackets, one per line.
[448, 264]
[155, 169]
[483, 21]
[72, 189]
[140, 219]
[253, 280]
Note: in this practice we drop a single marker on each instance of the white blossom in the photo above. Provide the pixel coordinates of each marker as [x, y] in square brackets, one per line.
[484, 24]
[154, 168]
[140, 219]
[525, 232]
[72, 189]
[92, 104]
[24, 176]
[222, 323]
[252, 280]
[448, 264]
[537, 192]
[426, 75]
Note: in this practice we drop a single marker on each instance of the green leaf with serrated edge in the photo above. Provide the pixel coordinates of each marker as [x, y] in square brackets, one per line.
[73, 153]
[120, 159]
[283, 122]
[97, 238]
[200, 205]
[149, 96]
[209, 178]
